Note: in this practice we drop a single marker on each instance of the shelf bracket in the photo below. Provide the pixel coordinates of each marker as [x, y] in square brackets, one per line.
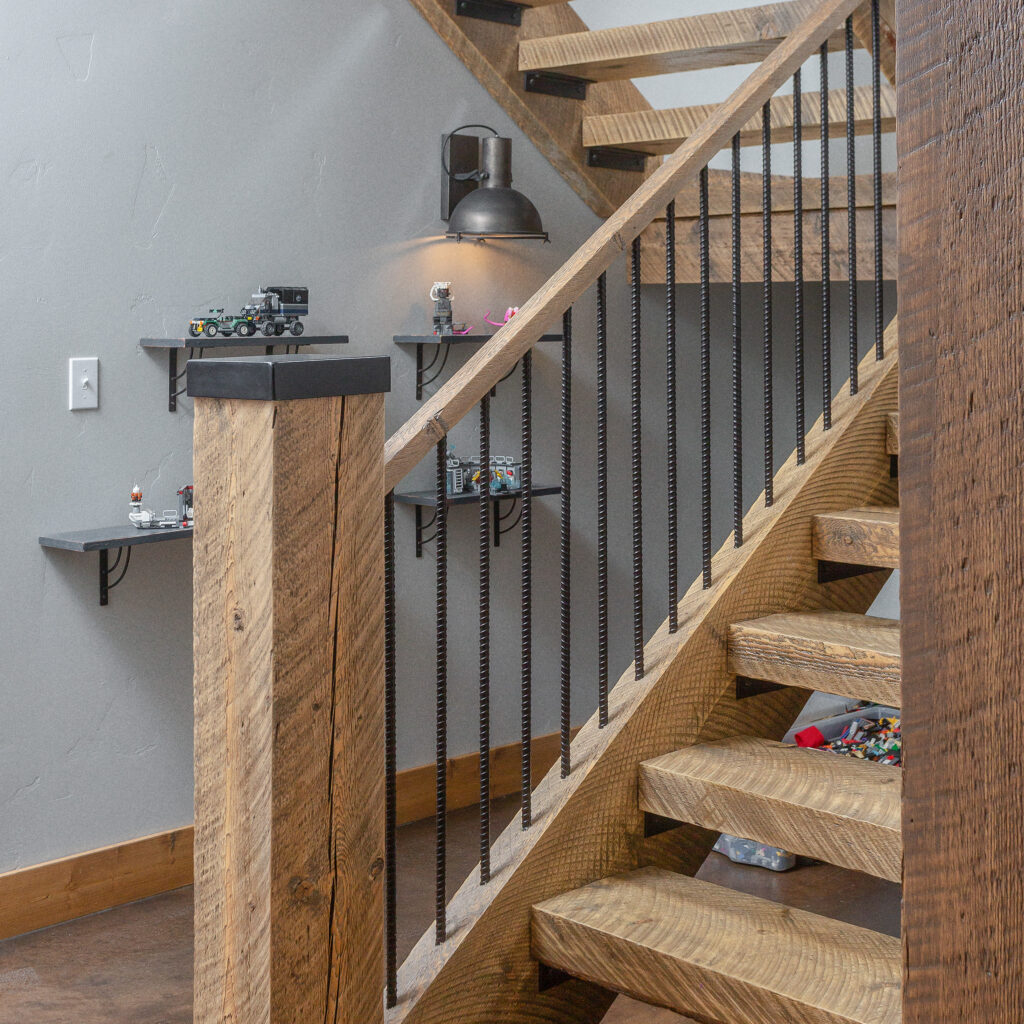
[106, 569]
[421, 528]
[499, 518]
[504, 12]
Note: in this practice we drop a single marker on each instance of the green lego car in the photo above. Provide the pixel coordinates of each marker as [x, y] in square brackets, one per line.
[217, 323]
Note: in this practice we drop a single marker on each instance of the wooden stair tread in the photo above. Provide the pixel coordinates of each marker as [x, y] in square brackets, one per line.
[662, 131]
[816, 803]
[838, 652]
[859, 536]
[678, 44]
[892, 434]
[717, 954]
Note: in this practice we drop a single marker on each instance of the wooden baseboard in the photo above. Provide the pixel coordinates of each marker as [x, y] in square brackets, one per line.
[86, 883]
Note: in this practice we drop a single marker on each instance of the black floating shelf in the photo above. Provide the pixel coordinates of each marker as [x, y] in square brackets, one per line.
[175, 345]
[428, 499]
[104, 539]
[439, 341]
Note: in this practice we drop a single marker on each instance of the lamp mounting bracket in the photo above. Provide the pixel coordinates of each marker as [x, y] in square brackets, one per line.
[464, 171]
[504, 12]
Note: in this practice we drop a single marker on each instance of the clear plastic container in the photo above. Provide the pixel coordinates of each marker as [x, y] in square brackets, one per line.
[747, 851]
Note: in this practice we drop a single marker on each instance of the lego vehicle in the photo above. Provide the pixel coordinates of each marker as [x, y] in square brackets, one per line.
[277, 308]
[274, 309]
[243, 324]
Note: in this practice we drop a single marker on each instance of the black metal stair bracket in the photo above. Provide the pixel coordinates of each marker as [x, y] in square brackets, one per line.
[504, 12]
[830, 572]
[747, 687]
[550, 83]
[612, 158]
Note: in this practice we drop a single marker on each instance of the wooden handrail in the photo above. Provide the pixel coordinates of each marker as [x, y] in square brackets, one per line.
[482, 371]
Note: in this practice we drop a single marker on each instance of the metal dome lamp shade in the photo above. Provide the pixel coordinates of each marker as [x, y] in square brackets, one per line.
[489, 207]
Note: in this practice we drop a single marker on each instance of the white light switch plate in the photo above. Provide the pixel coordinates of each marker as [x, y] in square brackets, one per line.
[84, 383]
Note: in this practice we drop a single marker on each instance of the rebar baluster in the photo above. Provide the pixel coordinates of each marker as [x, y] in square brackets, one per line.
[766, 302]
[565, 537]
[826, 252]
[441, 709]
[798, 265]
[485, 639]
[390, 761]
[526, 595]
[602, 500]
[671, 468]
[737, 353]
[705, 382]
[636, 475]
[851, 203]
[876, 153]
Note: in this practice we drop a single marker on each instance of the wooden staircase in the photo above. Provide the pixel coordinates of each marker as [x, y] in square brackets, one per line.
[723, 956]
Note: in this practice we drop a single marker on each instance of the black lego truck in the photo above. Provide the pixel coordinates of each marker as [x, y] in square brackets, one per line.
[274, 309]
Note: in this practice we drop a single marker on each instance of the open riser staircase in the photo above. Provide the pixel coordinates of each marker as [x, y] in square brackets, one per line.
[589, 891]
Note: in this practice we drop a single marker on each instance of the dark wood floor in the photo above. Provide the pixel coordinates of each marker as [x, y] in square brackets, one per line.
[133, 964]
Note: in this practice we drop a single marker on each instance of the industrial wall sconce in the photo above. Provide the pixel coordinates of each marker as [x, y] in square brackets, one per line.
[477, 198]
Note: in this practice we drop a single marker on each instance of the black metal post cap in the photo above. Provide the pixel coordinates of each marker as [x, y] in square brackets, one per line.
[287, 377]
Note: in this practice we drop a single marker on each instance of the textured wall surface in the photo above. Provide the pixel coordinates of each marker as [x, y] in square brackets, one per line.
[162, 158]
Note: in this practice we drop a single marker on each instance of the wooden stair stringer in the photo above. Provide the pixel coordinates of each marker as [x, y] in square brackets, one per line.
[589, 825]
[553, 124]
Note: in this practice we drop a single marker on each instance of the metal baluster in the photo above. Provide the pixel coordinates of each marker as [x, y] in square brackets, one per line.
[526, 583]
[670, 417]
[602, 500]
[485, 640]
[565, 574]
[798, 264]
[705, 383]
[441, 710]
[826, 250]
[766, 231]
[737, 353]
[637, 463]
[390, 745]
[851, 203]
[876, 153]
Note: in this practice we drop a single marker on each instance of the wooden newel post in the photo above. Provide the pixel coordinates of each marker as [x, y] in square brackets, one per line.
[289, 689]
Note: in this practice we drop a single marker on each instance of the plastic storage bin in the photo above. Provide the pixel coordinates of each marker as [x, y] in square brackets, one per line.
[746, 851]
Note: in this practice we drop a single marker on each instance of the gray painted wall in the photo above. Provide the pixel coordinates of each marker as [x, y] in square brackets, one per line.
[159, 159]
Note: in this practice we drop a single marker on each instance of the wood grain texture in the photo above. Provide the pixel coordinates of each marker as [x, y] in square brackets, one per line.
[553, 125]
[813, 802]
[85, 883]
[662, 131]
[588, 825]
[961, 152]
[892, 434]
[718, 954]
[652, 248]
[851, 655]
[720, 194]
[887, 35]
[288, 651]
[860, 536]
[663, 47]
[492, 361]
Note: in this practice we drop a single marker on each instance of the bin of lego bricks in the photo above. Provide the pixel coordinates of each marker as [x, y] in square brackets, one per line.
[869, 732]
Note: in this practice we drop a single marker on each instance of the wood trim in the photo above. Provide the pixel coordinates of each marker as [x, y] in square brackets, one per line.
[960, 143]
[554, 125]
[887, 35]
[493, 361]
[86, 883]
[589, 825]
